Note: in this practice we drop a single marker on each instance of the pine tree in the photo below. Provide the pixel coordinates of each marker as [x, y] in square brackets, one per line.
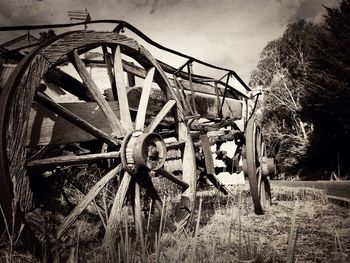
[326, 102]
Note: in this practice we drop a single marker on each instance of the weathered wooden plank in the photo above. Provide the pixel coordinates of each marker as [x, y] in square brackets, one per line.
[71, 159]
[70, 219]
[108, 59]
[207, 104]
[68, 83]
[61, 133]
[46, 127]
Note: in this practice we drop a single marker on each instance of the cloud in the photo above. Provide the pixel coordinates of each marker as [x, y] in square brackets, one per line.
[310, 10]
[230, 33]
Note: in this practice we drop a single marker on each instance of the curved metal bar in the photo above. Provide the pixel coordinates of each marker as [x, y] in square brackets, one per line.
[121, 25]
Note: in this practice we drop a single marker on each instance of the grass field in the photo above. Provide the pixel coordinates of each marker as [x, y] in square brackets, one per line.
[300, 226]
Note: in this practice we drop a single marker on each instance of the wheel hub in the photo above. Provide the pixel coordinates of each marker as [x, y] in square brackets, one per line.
[143, 150]
[268, 166]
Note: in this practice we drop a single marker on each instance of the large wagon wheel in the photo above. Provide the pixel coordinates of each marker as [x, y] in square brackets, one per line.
[134, 146]
[255, 159]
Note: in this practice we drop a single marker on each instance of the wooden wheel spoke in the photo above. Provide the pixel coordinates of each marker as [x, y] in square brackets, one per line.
[160, 116]
[259, 178]
[68, 83]
[138, 214]
[71, 159]
[141, 113]
[122, 92]
[113, 121]
[86, 201]
[115, 216]
[258, 145]
[74, 119]
[175, 145]
[151, 191]
[173, 178]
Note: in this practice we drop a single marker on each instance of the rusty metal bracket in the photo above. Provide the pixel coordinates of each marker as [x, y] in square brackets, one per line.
[225, 91]
[183, 66]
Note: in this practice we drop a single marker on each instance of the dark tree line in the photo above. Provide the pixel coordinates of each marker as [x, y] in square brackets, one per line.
[305, 76]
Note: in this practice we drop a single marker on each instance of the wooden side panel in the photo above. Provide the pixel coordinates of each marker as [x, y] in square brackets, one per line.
[46, 127]
[206, 104]
[207, 107]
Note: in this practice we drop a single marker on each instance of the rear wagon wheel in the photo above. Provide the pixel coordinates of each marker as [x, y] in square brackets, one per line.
[255, 152]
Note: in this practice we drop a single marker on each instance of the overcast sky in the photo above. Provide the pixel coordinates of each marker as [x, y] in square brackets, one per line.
[229, 33]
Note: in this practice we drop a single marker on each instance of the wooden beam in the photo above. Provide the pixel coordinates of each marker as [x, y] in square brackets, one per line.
[172, 178]
[208, 156]
[175, 145]
[108, 59]
[71, 159]
[68, 83]
[76, 120]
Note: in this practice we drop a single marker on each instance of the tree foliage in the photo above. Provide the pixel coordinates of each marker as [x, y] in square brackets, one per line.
[281, 74]
[306, 78]
[327, 94]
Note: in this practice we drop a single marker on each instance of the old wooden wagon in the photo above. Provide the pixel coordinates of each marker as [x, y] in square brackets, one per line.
[153, 119]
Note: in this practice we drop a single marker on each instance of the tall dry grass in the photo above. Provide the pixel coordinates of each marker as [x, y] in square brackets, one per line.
[225, 229]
